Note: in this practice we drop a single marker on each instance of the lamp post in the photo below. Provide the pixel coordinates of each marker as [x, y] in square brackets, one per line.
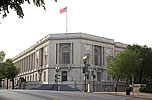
[56, 76]
[85, 70]
[93, 80]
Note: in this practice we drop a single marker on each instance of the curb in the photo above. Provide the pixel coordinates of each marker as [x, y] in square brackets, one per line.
[133, 96]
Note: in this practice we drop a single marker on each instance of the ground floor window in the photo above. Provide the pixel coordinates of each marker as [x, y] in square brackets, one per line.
[98, 76]
[64, 75]
[30, 77]
[36, 77]
[44, 76]
[33, 77]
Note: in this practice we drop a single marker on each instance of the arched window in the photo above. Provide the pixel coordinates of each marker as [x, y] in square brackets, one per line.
[96, 57]
[65, 55]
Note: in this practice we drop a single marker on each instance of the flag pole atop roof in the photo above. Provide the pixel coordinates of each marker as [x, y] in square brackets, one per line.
[62, 11]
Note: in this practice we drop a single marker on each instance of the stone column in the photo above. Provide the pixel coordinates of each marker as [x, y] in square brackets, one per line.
[71, 58]
[92, 54]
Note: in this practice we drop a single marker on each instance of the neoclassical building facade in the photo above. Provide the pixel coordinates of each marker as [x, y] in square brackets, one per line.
[62, 54]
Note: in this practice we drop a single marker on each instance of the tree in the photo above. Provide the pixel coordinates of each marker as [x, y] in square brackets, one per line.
[9, 71]
[123, 65]
[2, 57]
[16, 5]
[144, 70]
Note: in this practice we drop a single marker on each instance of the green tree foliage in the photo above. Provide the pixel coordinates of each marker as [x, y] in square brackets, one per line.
[123, 65]
[7, 69]
[10, 71]
[2, 57]
[144, 70]
[6, 5]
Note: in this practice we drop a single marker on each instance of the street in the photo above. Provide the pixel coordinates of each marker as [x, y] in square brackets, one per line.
[57, 95]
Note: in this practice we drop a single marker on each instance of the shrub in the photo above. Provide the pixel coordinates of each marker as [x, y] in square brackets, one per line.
[147, 89]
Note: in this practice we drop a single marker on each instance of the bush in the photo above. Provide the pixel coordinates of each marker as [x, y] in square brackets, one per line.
[141, 89]
[147, 89]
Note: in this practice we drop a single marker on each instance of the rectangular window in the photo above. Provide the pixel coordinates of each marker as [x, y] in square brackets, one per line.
[31, 61]
[27, 78]
[100, 56]
[98, 76]
[66, 58]
[36, 77]
[56, 53]
[96, 59]
[103, 56]
[46, 59]
[30, 77]
[64, 75]
[41, 56]
[44, 76]
[33, 77]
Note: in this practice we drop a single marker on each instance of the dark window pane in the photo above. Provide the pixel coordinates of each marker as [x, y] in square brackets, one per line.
[64, 75]
[65, 55]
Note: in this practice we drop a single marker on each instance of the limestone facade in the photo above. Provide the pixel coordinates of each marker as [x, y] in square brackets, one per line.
[65, 51]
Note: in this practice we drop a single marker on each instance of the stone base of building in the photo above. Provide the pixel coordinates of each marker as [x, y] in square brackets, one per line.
[76, 86]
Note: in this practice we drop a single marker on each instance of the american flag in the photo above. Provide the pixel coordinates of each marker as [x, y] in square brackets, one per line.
[63, 10]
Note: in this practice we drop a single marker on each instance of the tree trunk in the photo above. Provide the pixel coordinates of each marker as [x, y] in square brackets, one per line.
[0, 82]
[7, 84]
[12, 83]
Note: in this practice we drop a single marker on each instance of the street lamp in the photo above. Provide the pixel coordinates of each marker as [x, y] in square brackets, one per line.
[93, 80]
[56, 76]
[85, 71]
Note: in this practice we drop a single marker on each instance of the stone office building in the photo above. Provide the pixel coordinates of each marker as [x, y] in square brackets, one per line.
[62, 54]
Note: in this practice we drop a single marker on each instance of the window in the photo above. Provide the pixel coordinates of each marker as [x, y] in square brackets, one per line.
[46, 58]
[37, 58]
[30, 77]
[64, 75]
[96, 57]
[108, 77]
[27, 78]
[36, 77]
[33, 77]
[65, 55]
[44, 76]
[98, 76]
[37, 62]
[41, 58]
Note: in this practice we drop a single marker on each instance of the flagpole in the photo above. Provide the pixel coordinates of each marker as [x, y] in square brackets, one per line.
[66, 20]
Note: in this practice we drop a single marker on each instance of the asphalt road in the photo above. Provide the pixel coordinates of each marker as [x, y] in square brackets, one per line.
[57, 95]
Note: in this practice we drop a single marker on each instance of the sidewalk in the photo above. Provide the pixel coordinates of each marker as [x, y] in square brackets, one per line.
[139, 95]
